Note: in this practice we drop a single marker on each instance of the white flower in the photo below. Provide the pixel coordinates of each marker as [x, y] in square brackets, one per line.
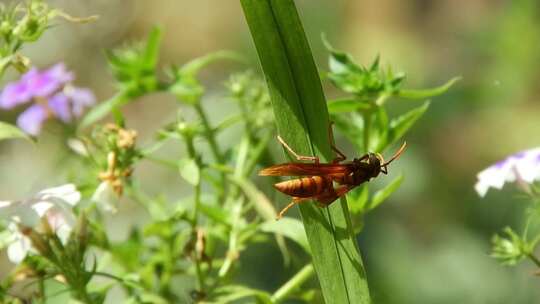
[524, 165]
[105, 197]
[53, 204]
[77, 146]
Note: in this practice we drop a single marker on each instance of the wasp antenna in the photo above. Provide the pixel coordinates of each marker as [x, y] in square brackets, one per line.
[398, 153]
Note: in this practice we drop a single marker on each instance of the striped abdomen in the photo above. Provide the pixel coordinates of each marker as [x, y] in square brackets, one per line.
[305, 186]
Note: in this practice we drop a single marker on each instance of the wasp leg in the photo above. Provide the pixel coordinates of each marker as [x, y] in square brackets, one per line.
[340, 156]
[384, 169]
[364, 157]
[298, 157]
[295, 200]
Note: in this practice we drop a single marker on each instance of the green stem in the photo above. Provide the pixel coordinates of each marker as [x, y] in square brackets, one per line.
[161, 161]
[196, 204]
[232, 251]
[293, 284]
[534, 259]
[367, 129]
[42, 291]
[79, 287]
[209, 132]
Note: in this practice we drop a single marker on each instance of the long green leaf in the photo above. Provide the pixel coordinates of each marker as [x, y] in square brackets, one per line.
[302, 120]
[103, 109]
[151, 52]
[344, 105]
[399, 126]
[381, 195]
[426, 93]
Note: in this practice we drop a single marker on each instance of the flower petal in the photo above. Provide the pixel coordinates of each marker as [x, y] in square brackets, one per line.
[59, 73]
[47, 82]
[19, 249]
[105, 197]
[67, 193]
[80, 98]
[59, 105]
[41, 207]
[14, 94]
[77, 146]
[524, 165]
[61, 222]
[32, 118]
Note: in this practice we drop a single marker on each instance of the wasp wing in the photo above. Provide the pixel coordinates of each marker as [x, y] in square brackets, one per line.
[300, 169]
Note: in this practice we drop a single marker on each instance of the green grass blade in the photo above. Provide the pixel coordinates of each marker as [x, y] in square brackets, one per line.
[302, 120]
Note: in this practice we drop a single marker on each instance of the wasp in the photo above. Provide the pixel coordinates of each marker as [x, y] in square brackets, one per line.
[325, 182]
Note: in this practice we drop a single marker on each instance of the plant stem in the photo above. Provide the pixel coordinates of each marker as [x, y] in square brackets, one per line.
[197, 201]
[534, 259]
[293, 284]
[209, 132]
[78, 284]
[42, 290]
[210, 136]
[232, 251]
[367, 130]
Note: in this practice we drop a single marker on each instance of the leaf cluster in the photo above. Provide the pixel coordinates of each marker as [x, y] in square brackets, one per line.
[22, 23]
[362, 116]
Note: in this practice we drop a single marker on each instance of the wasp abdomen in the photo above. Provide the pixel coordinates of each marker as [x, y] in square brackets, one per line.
[305, 186]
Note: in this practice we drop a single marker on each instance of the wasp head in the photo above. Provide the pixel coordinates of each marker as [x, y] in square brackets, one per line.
[375, 161]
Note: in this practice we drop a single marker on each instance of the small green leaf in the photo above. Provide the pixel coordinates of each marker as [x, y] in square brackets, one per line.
[158, 228]
[339, 61]
[290, 228]
[381, 195]
[148, 297]
[189, 170]
[426, 93]
[400, 125]
[151, 52]
[233, 293]
[262, 204]
[8, 131]
[344, 105]
[194, 66]
[103, 109]
[375, 65]
[352, 127]
[215, 213]
[357, 199]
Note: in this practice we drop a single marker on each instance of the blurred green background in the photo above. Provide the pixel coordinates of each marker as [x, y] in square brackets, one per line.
[430, 242]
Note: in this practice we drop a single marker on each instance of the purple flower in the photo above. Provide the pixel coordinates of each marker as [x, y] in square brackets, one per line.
[52, 95]
[524, 165]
